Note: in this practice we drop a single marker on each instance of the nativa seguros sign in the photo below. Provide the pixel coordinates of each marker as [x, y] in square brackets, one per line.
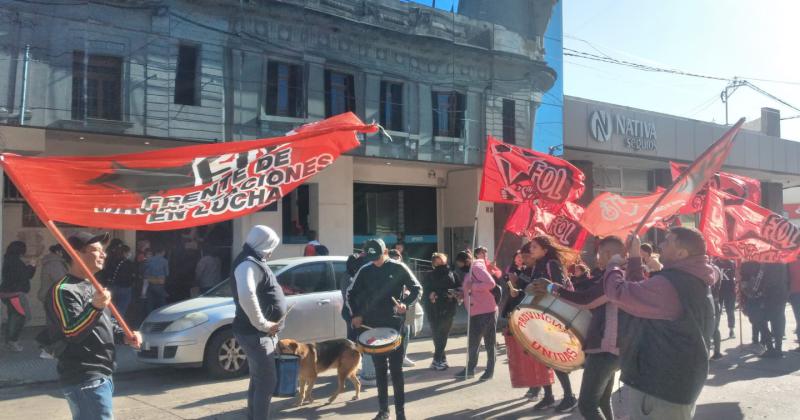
[636, 134]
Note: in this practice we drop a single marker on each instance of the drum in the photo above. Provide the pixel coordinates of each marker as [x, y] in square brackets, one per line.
[551, 330]
[379, 340]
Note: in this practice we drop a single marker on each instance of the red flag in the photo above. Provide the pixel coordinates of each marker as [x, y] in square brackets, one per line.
[183, 186]
[736, 185]
[612, 214]
[529, 220]
[739, 229]
[515, 175]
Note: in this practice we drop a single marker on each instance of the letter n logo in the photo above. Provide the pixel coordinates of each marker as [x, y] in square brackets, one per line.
[600, 126]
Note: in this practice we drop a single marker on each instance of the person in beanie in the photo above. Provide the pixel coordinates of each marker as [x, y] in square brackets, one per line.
[664, 345]
[376, 300]
[260, 309]
[83, 333]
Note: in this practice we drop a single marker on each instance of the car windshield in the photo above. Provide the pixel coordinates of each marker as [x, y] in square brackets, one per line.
[223, 289]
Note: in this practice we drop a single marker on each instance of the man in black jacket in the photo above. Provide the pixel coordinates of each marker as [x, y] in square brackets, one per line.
[77, 319]
[376, 300]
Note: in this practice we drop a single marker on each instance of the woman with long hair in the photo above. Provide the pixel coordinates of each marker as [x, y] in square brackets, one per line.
[15, 284]
[549, 259]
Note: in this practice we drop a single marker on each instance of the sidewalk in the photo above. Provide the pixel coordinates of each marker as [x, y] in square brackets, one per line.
[27, 368]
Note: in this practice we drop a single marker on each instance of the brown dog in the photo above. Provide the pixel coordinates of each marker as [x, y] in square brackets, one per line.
[319, 357]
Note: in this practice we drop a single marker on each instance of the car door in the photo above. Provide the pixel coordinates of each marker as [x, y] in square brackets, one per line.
[342, 283]
[311, 293]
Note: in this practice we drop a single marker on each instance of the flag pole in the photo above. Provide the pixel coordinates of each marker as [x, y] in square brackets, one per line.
[51, 226]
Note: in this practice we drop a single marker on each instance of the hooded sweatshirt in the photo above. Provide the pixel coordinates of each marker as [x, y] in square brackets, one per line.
[664, 345]
[258, 297]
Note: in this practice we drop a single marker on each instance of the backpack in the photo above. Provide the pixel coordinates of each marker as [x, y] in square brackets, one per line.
[497, 293]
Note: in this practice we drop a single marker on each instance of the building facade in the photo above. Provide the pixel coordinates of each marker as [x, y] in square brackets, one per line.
[126, 76]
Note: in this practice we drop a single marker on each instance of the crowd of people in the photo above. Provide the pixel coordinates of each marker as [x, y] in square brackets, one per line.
[655, 316]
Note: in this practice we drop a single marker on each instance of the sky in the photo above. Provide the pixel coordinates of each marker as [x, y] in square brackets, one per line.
[726, 38]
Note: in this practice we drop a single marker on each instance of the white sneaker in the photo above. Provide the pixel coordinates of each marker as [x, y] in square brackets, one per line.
[45, 355]
[408, 362]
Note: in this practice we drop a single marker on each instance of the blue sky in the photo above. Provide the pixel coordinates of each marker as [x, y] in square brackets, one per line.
[751, 40]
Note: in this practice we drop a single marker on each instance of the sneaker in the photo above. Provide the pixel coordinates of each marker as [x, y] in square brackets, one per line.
[486, 376]
[408, 362]
[532, 394]
[382, 415]
[465, 374]
[732, 334]
[716, 356]
[45, 355]
[545, 403]
[435, 365]
[444, 365]
[399, 415]
[14, 346]
[567, 404]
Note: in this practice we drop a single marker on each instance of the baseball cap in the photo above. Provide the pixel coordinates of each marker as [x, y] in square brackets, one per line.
[374, 249]
[81, 239]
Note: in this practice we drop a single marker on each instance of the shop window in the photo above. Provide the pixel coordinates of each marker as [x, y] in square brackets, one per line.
[187, 77]
[10, 191]
[340, 96]
[509, 121]
[607, 179]
[448, 114]
[284, 96]
[96, 87]
[391, 114]
[300, 214]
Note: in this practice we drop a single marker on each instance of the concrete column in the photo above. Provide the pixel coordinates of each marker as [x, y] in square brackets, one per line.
[772, 196]
[372, 97]
[425, 108]
[473, 132]
[315, 88]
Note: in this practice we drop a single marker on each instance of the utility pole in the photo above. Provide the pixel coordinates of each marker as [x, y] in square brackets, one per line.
[726, 94]
[24, 105]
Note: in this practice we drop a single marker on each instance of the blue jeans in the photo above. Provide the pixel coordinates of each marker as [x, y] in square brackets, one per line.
[121, 296]
[156, 297]
[260, 352]
[91, 400]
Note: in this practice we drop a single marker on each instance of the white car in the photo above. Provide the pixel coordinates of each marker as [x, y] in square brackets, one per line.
[197, 332]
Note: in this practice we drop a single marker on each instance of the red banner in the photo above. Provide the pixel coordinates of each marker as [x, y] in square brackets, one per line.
[180, 187]
[739, 229]
[736, 185]
[530, 220]
[612, 214]
[515, 175]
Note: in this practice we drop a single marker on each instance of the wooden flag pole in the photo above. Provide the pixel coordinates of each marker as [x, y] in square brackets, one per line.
[51, 226]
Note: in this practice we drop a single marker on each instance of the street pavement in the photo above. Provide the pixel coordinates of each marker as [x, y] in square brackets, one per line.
[739, 386]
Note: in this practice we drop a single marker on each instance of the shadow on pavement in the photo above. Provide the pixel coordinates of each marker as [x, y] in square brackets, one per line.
[727, 411]
[742, 364]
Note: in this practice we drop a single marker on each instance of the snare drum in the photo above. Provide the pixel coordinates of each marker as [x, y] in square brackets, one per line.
[379, 340]
[551, 330]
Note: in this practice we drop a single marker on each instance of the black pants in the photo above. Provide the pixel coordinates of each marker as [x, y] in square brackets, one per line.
[727, 298]
[717, 319]
[14, 323]
[775, 315]
[385, 363]
[795, 301]
[566, 385]
[597, 386]
[482, 326]
[441, 321]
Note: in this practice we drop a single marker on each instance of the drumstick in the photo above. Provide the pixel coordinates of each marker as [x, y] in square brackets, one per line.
[366, 327]
[285, 315]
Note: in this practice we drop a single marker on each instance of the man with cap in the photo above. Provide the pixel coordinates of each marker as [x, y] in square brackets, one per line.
[376, 300]
[83, 333]
[260, 309]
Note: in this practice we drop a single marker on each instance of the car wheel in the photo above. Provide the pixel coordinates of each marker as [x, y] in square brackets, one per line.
[224, 356]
